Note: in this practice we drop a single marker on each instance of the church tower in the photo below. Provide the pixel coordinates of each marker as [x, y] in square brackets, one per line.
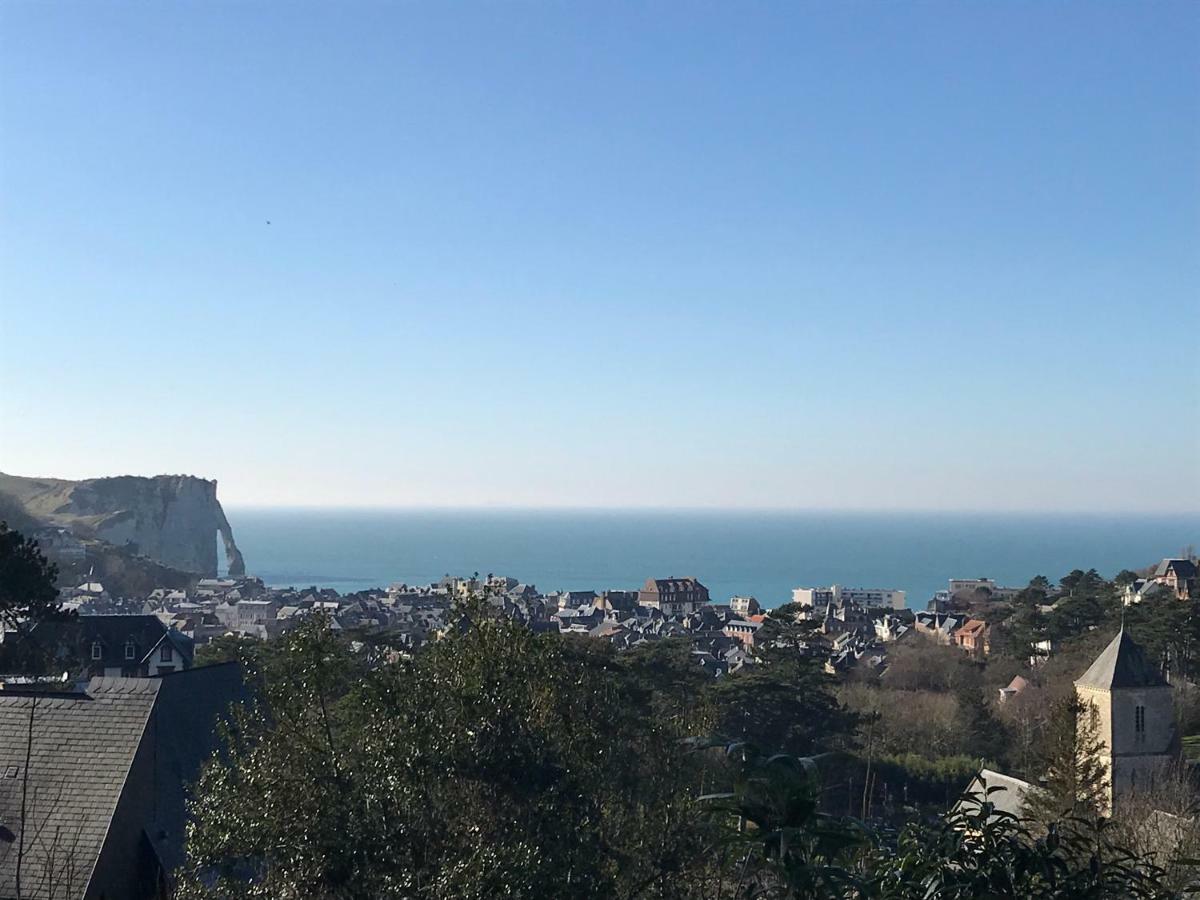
[1137, 715]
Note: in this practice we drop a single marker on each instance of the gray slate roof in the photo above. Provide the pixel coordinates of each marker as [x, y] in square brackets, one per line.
[1009, 796]
[1121, 665]
[124, 746]
[81, 751]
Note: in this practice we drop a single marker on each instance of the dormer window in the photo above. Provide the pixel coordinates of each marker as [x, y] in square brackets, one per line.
[97, 650]
[165, 653]
[130, 650]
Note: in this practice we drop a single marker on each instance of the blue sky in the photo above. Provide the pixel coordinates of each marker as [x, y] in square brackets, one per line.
[856, 255]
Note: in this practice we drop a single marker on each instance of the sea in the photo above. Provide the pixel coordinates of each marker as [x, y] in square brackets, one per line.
[761, 554]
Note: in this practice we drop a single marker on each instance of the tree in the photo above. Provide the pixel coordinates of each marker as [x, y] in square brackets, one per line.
[1160, 818]
[1076, 781]
[27, 581]
[983, 735]
[494, 762]
[1124, 578]
[28, 596]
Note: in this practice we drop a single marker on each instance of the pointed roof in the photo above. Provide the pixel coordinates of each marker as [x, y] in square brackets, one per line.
[1121, 665]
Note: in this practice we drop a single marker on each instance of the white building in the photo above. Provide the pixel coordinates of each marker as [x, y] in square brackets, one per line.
[817, 597]
[970, 585]
[744, 606]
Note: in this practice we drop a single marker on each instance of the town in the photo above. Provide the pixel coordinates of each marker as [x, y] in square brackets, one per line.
[850, 627]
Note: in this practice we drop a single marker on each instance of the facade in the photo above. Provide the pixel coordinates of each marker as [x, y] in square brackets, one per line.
[1137, 715]
[973, 637]
[878, 597]
[971, 585]
[744, 606]
[673, 596]
[1177, 575]
[741, 630]
[116, 646]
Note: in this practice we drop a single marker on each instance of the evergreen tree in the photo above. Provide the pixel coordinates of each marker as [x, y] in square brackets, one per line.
[983, 735]
[1076, 780]
[27, 580]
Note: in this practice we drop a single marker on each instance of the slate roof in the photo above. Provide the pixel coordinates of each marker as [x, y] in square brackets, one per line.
[85, 765]
[1010, 798]
[81, 751]
[73, 639]
[1184, 568]
[1121, 665]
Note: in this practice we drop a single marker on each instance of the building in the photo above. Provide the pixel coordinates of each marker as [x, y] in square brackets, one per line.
[878, 597]
[1142, 589]
[937, 626]
[115, 646]
[1007, 795]
[1015, 687]
[741, 630]
[673, 596]
[889, 628]
[1137, 714]
[969, 586]
[973, 637]
[744, 606]
[1177, 575]
[60, 546]
[93, 783]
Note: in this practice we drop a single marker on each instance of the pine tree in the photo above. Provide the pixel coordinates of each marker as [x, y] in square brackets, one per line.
[1076, 779]
[981, 733]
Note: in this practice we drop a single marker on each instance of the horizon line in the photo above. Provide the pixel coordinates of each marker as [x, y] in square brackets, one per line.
[821, 510]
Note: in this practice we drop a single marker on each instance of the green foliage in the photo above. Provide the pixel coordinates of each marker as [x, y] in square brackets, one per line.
[978, 851]
[500, 763]
[784, 847]
[494, 763]
[27, 581]
[229, 648]
[27, 596]
[982, 735]
[1075, 783]
[1191, 747]
[786, 703]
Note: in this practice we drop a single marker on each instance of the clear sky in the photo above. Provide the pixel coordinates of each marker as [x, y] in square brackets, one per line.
[864, 255]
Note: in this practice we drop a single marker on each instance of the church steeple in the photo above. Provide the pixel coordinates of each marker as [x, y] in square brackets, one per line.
[1121, 665]
[1137, 715]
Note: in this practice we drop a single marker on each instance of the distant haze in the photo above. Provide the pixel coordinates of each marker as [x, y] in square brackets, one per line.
[938, 256]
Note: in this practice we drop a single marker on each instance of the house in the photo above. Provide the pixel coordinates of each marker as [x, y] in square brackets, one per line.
[93, 782]
[1142, 589]
[973, 637]
[937, 626]
[673, 596]
[115, 646]
[59, 546]
[1178, 575]
[973, 588]
[744, 607]
[890, 628]
[1006, 794]
[1015, 687]
[741, 630]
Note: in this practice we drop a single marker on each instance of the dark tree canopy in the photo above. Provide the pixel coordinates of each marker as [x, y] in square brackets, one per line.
[27, 581]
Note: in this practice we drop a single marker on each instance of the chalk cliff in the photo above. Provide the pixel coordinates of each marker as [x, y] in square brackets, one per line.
[172, 519]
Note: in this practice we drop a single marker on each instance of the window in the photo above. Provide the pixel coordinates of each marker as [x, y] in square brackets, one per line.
[97, 650]
[130, 650]
[1139, 723]
[165, 654]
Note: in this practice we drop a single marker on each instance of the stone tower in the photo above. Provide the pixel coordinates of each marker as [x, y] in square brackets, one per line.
[1137, 715]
